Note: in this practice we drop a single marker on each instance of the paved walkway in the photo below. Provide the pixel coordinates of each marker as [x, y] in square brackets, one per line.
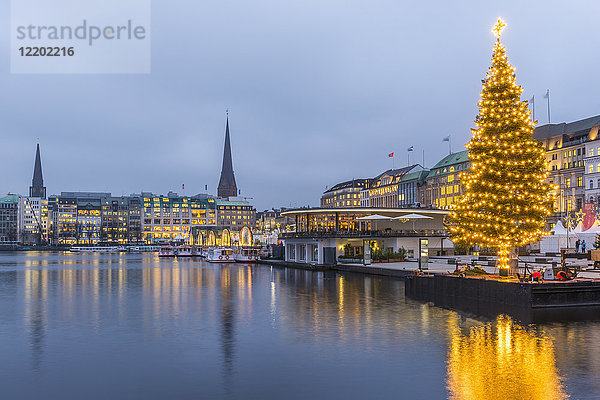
[440, 265]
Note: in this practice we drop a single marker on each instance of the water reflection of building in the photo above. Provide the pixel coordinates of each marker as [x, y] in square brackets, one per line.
[501, 360]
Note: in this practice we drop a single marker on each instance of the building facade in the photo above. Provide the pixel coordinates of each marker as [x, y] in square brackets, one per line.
[9, 219]
[170, 218]
[411, 189]
[34, 224]
[384, 190]
[235, 213]
[345, 194]
[443, 187]
[567, 146]
[591, 176]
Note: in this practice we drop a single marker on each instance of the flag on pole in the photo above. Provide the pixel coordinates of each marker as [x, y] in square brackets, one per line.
[446, 139]
[183, 186]
[532, 99]
[411, 148]
[547, 95]
[391, 155]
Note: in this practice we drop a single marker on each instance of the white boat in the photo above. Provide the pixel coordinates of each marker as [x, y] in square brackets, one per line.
[166, 251]
[143, 249]
[247, 254]
[220, 254]
[185, 251]
[102, 249]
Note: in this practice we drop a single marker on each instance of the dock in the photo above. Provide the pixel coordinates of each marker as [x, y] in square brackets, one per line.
[549, 301]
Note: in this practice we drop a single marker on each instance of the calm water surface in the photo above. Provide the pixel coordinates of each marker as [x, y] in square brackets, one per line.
[89, 326]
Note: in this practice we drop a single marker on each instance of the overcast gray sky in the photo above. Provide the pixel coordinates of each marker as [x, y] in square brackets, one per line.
[319, 91]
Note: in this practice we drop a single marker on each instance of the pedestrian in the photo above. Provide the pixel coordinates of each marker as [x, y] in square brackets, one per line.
[577, 243]
[583, 246]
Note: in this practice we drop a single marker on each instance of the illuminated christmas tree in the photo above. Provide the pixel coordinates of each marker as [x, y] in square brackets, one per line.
[507, 199]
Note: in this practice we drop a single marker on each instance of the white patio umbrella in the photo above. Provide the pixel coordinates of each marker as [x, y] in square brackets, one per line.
[413, 216]
[374, 217]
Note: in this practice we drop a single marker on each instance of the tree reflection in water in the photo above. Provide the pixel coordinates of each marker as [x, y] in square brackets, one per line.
[501, 360]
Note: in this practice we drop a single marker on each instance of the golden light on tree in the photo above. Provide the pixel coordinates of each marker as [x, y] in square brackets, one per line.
[507, 199]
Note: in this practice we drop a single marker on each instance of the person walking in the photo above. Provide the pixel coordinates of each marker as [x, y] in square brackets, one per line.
[577, 243]
[583, 246]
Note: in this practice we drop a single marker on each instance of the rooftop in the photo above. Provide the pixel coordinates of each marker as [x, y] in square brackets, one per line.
[550, 130]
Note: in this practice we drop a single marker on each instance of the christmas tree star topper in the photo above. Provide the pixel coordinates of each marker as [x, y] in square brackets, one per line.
[498, 28]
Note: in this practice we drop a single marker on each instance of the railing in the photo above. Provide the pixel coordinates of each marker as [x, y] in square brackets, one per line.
[366, 234]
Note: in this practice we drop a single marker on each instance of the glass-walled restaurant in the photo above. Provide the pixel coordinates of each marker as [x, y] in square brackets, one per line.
[384, 221]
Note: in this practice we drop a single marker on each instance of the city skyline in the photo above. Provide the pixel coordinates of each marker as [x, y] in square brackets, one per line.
[382, 74]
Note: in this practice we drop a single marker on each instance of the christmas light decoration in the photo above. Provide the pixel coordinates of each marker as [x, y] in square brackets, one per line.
[507, 199]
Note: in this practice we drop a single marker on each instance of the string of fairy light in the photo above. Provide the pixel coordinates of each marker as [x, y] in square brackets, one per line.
[507, 198]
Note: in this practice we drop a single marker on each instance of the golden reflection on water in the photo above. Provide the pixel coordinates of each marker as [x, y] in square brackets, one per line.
[501, 360]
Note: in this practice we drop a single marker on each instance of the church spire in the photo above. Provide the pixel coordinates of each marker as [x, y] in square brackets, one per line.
[37, 188]
[227, 186]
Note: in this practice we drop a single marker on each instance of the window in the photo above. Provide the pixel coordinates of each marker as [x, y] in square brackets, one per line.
[314, 252]
[443, 190]
[591, 169]
[450, 178]
[579, 181]
[291, 250]
[591, 152]
[591, 184]
[568, 182]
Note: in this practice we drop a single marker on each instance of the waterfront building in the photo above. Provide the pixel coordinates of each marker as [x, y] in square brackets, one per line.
[345, 194]
[383, 190]
[566, 145]
[170, 218]
[411, 189]
[77, 217]
[443, 187]
[591, 176]
[9, 219]
[235, 213]
[33, 221]
[37, 188]
[115, 220]
[134, 222]
[324, 233]
[227, 186]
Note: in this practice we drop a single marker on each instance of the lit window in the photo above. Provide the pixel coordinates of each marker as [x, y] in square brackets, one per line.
[579, 181]
[591, 169]
[591, 152]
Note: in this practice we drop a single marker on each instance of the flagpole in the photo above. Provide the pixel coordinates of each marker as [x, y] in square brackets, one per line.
[548, 106]
[548, 98]
[533, 105]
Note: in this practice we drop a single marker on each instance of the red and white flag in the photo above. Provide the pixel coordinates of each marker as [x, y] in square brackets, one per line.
[183, 186]
[391, 155]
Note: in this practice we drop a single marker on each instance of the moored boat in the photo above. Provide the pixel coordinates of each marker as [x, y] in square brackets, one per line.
[185, 251]
[247, 254]
[166, 251]
[220, 254]
[98, 249]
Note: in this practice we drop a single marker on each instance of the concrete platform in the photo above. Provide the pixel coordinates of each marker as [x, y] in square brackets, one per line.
[528, 302]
